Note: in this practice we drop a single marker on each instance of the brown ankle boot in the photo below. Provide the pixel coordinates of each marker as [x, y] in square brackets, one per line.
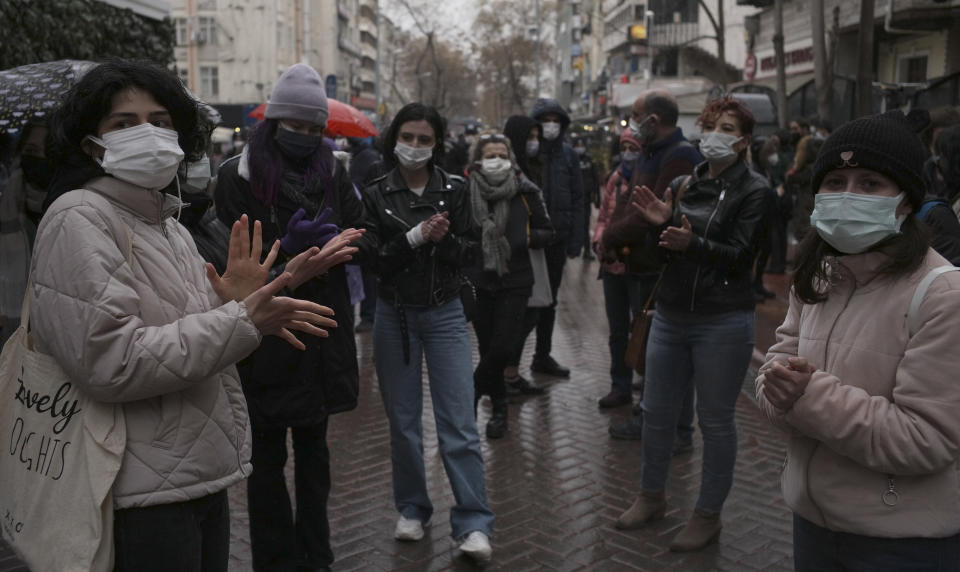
[701, 530]
[648, 507]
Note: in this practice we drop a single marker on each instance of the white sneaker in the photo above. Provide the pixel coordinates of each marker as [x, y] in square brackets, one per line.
[409, 529]
[477, 546]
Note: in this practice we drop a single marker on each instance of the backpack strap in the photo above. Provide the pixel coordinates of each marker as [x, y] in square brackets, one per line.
[918, 295]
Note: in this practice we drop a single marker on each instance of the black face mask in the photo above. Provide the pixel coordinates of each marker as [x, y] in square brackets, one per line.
[297, 146]
[37, 171]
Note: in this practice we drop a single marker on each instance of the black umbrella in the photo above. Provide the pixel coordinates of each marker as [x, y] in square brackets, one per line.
[35, 90]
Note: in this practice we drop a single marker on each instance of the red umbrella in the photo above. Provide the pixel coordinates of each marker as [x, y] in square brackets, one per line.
[344, 121]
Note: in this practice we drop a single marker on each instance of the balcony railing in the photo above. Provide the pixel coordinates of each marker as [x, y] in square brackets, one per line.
[674, 34]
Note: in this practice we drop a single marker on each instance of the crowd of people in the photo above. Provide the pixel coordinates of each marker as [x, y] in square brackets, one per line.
[224, 324]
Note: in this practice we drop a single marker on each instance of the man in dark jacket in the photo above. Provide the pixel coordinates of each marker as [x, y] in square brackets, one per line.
[591, 192]
[666, 155]
[562, 186]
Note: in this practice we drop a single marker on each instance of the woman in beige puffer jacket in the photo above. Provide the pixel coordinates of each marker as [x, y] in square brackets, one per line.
[120, 299]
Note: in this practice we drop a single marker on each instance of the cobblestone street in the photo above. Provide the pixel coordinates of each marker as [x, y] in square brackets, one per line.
[557, 481]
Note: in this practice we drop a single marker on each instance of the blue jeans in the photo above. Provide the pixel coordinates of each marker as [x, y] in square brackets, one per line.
[712, 353]
[623, 296]
[439, 333]
[817, 549]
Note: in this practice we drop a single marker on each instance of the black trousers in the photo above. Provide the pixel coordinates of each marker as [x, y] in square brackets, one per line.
[279, 540]
[499, 324]
[543, 318]
[189, 536]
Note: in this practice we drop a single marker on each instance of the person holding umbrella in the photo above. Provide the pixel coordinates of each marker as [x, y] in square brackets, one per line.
[287, 175]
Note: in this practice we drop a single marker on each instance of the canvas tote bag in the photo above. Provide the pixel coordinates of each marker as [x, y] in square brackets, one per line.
[60, 452]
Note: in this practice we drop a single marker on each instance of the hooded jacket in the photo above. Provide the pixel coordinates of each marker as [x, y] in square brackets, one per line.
[562, 180]
[880, 412]
[284, 385]
[122, 302]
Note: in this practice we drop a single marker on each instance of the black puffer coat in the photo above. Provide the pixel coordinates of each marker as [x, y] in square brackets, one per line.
[715, 273]
[282, 384]
[562, 181]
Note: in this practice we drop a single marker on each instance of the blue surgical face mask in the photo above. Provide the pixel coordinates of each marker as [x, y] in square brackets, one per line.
[854, 222]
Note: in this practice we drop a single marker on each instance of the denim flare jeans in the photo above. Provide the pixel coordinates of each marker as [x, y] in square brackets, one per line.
[439, 333]
[712, 353]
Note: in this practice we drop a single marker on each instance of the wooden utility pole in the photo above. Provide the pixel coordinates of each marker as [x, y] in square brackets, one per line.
[721, 37]
[781, 64]
[822, 75]
[865, 60]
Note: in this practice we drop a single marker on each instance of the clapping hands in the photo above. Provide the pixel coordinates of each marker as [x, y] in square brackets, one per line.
[302, 234]
[436, 227]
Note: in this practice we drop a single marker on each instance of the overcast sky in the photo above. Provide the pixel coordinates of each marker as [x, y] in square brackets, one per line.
[452, 18]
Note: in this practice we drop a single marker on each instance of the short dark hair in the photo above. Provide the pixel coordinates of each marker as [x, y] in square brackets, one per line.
[803, 123]
[717, 107]
[91, 99]
[664, 107]
[414, 112]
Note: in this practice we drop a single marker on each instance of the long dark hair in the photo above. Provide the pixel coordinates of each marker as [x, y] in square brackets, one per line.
[414, 112]
[906, 251]
[91, 99]
[267, 163]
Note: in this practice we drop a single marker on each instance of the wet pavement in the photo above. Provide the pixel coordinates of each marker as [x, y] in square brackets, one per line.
[557, 481]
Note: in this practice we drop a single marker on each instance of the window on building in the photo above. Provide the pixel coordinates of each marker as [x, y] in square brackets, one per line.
[181, 27]
[913, 69]
[575, 8]
[280, 34]
[207, 30]
[209, 81]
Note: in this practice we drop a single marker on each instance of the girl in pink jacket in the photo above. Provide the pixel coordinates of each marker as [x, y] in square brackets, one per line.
[863, 375]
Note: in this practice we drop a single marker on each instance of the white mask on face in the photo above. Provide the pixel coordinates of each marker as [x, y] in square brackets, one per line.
[853, 222]
[198, 175]
[718, 147]
[412, 158]
[551, 130]
[495, 169]
[145, 155]
[629, 156]
[533, 147]
[772, 160]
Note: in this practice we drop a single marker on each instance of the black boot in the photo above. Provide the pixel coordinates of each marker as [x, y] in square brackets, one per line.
[497, 425]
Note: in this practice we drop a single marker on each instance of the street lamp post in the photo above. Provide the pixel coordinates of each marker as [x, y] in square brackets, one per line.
[650, 15]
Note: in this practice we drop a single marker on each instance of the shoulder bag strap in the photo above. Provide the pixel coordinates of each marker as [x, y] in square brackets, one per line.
[919, 293]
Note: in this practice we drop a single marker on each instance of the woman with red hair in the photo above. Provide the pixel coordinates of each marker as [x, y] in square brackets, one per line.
[708, 225]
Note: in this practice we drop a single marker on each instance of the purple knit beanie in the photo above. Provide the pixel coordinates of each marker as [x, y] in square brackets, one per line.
[299, 94]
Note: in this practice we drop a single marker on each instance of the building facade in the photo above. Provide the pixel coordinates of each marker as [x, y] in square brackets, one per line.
[233, 51]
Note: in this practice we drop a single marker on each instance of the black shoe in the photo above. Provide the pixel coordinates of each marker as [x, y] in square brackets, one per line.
[631, 430]
[614, 399]
[363, 326]
[549, 366]
[497, 425]
[522, 386]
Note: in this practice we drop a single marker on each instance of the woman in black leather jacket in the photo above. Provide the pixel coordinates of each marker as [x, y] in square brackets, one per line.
[509, 209]
[420, 234]
[703, 331]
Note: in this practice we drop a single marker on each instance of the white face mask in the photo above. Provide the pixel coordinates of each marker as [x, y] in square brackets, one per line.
[533, 147]
[198, 175]
[853, 222]
[145, 155]
[495, 169]
[629, 156]
[551, 130]
[772, 160]
[718, 147]
[640, 130]
[412, 158]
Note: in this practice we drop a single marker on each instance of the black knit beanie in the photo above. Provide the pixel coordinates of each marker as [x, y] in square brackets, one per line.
[884, 143]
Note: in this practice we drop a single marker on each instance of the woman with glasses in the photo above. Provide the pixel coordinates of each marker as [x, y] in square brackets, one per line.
[420, 235]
